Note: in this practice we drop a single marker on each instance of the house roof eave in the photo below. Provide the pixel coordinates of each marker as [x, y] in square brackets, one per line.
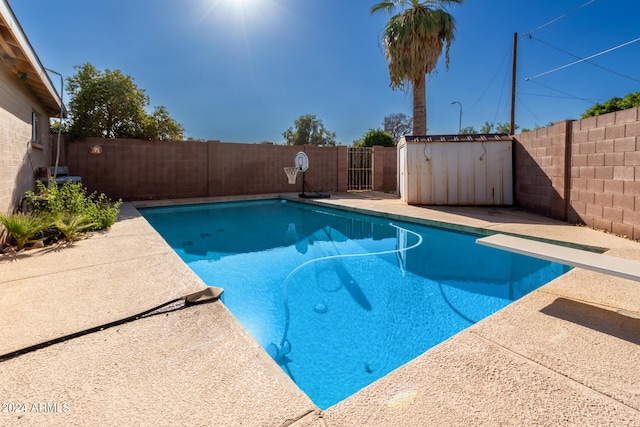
[17, 54]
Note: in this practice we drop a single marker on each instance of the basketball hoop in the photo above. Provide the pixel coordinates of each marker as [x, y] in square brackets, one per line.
[301, 162]
[292, 173]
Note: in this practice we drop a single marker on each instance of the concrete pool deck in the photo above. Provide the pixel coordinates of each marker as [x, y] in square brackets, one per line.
[566, 354]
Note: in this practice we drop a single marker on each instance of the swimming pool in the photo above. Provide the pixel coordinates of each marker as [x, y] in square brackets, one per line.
[340, 299]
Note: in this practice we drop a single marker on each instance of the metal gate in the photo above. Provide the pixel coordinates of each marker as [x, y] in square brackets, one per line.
[360, 168]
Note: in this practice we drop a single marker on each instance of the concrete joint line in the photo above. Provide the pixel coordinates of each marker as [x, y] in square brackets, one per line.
[291, 422]
[83, 267]
[546, 368]
[580, 300]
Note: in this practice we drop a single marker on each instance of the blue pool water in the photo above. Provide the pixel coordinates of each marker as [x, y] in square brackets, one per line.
[340, 299]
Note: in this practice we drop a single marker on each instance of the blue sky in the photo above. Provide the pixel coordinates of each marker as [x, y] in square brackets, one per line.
[244, 70]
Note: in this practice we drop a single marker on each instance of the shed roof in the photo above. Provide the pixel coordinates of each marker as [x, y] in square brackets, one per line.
[477, 137]
[17, 54]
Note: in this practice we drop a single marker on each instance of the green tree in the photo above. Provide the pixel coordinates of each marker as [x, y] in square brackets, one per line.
[54, 126]
[490, 127]
[397, 125]
[159, 126]
[505, 128]
[413, 41]
[308, 129]
[108, 104]
[487, 127]
[631, 100]
[377, 137]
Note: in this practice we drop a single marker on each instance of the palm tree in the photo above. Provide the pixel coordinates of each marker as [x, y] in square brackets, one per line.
[413, 41]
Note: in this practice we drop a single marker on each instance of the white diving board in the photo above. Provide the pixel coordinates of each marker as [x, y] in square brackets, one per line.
[621, 267]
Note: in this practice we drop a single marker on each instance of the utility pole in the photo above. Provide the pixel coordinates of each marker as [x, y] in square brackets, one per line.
[512, 128]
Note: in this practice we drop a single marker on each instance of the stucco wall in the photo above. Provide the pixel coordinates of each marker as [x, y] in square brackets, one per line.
[18, 157]
[586, 171]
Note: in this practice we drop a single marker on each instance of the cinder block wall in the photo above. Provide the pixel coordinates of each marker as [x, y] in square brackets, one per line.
[595, 182]
[605, 173]
[236, 169]
[19, 157]
[385, 166]
[540, 170]
[134, 170]
[139, 170]
[585, 171]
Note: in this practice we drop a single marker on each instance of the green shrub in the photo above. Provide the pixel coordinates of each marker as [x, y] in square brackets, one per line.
[26, 228]
[377, 137]
[60, 212]
[72, 199]
[73, 225]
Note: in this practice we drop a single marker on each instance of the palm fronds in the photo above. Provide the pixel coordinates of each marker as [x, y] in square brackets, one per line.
[25, 228]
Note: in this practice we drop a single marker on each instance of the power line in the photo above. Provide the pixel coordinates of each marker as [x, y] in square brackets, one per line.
[506, 55]
[564, 93]
[504, 83]
[584, 59]
[529, 110]
[588, 62]
[559, 18]
[556, 96]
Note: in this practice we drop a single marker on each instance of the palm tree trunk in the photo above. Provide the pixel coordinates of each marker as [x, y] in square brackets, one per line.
[420, 106]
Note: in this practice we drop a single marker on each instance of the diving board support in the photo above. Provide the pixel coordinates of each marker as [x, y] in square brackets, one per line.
[620, 267]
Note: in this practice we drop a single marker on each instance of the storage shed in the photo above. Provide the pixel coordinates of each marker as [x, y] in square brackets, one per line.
[456, 169]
